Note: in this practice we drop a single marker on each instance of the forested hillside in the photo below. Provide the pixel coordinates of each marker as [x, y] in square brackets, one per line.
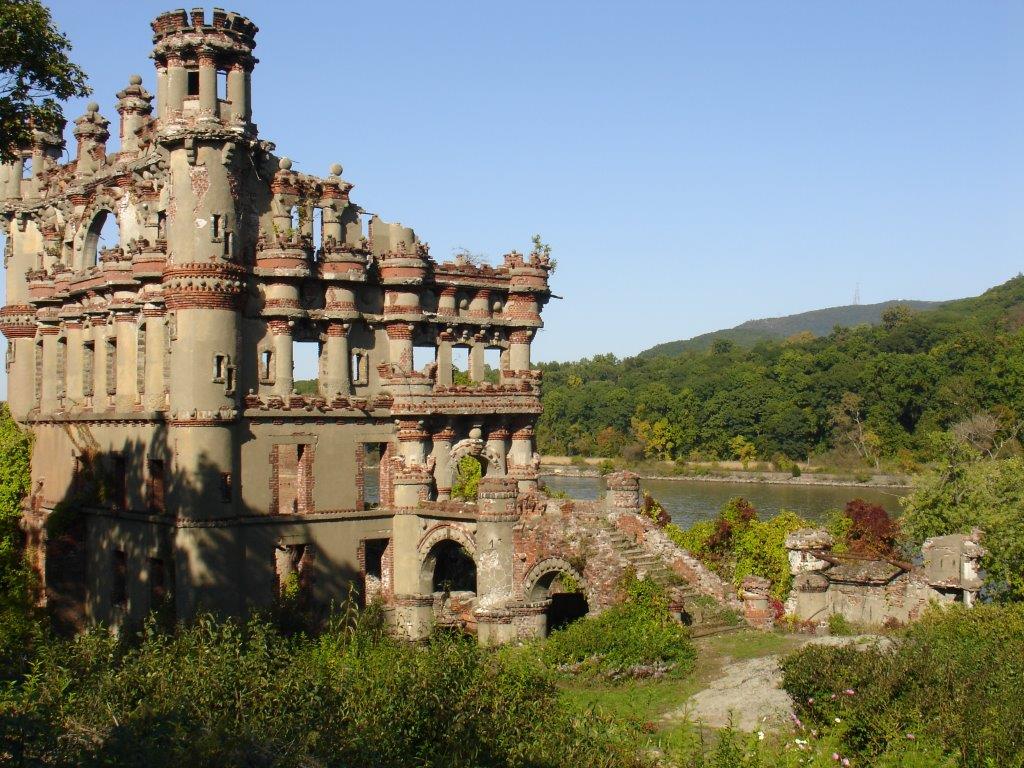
[818, 322]
[873, 392]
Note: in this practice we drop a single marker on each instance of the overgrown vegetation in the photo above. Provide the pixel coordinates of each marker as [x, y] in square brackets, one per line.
[953, 680]
[636, 637]
[17, 626]
[467, 479]
[866, 395]
[227, 694]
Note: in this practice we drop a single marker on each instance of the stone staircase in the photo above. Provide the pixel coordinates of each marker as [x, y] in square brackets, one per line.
[695, 609]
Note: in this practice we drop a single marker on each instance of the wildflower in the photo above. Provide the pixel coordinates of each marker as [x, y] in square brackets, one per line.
[910, 736]
[849, 692]
[835, 756]
[838, 720]
[810, 700]
[846, 762]
[760, 735]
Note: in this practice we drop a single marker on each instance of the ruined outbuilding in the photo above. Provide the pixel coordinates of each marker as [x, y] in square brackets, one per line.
[874, 591]
[156, 372]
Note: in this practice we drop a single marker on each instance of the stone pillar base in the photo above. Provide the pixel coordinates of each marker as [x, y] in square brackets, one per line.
[531, 620]
[414, 616]
[494, 627]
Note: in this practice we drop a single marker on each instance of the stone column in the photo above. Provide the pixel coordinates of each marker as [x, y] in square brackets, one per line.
[127, 367]
[281, 333]
[442, 441]
[414, 614]
[623, 492]
[497, 444]
[476, 362]
[495, 565]
[156, 351]
[400, 345]
[100, 333]
[177, 86]
[520, 459]
[161, 91]
[412, 482]
[519, 351]
[444, 359]
[757, 607]
[208, 83]
[338, 379]
[238, 93]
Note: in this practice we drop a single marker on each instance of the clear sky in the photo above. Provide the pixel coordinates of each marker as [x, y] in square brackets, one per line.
[692, 164]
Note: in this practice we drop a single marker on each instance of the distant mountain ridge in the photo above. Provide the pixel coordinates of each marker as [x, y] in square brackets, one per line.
[818, 322]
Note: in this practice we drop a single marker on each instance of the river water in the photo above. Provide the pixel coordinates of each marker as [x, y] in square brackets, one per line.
[688, 501]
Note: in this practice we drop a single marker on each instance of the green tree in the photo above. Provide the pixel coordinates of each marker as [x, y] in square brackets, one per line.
[743, 449]
[15, 582]
[970, 490]
[35, 73]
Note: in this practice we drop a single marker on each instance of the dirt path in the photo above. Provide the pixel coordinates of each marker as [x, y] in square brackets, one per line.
[748, 692]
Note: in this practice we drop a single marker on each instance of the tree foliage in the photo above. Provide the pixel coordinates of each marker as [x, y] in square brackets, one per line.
[15, 584]
[467, 479]
[35, 74]
[876, 394]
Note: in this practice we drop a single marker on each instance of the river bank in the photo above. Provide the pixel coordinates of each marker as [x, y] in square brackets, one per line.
[742, 476]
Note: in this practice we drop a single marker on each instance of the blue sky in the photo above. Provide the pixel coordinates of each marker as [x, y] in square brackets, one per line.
[692, 164]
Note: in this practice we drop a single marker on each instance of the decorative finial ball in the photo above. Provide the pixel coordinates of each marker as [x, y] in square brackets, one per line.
[135, 80]
[336, 169]
[92, 106]
[285, 164]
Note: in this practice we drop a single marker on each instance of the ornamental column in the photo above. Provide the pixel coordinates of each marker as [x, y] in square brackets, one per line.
[497, 445]
[338, 378]
[49, 390]
[126, 368]
[156, 352]
[519, 350]
[207, 83]
[521, 464]
[441, 453]
[281, 335]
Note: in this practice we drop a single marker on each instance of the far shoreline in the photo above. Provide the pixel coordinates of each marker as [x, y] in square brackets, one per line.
[748, 477]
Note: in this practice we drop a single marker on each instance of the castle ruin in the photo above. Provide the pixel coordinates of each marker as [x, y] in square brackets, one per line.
[156, 375]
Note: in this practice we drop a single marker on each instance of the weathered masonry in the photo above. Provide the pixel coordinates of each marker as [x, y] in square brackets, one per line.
[155, 368]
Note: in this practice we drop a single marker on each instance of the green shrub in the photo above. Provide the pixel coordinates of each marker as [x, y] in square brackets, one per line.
[839, 625]
[227, 694]
[637, 633]
[467, 479]
[606, 467]
[953, 679]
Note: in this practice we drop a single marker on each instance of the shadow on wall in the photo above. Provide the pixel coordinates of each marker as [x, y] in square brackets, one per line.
[132, 535]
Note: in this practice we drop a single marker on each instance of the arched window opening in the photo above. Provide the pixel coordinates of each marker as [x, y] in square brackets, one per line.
[103, 234]
[453, 568]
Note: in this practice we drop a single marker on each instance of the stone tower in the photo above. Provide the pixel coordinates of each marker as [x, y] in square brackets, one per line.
[155, 367]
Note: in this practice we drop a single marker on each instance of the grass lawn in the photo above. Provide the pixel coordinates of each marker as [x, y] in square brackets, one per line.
[648, 701]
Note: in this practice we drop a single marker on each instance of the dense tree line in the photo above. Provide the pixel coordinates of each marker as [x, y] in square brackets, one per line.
[873, 392]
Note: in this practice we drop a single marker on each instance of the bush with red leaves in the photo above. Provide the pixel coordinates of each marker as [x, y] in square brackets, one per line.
[872, 531]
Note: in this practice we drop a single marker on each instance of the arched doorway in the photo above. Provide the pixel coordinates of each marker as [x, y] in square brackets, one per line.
[561, 585]
[451, 568]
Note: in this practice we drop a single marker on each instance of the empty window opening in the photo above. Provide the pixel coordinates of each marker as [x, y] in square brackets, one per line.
[306, 366]
[220, 364]
[193, 82]
[155, 486]
[39, 371]
[492, 364]
[119, 482]
[222, 85]
[318, 229]
[230, 376]
[215, 225]
[266, 365]
[225, 487]
[453, 568]
[373, 482]
[88, 364]
[62, 366]
[229, 244]
[360, 370]
[291, 478]
[119, 579]
[26, 168]
[375, 551]
[158, 591]
[111, 365]
[103, 234]
[460, 366]
[296, 219]
[293, 564]
[161, 225]
[424, 357]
